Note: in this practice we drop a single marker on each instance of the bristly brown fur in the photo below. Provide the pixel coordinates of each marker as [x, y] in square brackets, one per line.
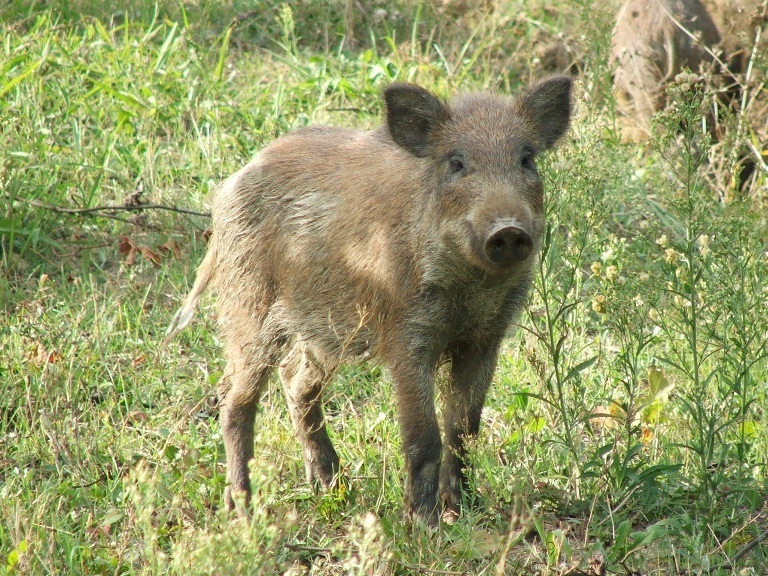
[412, 244]
[654, 40]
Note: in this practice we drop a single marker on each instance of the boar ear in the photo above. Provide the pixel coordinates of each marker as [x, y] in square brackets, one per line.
[549, 104]
[412, 115]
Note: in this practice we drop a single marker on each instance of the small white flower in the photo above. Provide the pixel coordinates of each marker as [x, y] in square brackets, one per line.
[670, 256]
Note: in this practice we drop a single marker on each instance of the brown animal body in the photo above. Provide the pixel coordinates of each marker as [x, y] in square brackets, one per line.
[413, 243]
[740, 23]
[654, 40]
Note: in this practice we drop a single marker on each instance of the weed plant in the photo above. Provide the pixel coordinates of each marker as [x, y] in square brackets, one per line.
[626, 430]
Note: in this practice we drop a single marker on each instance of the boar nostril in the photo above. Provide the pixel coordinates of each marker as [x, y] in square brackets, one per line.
[507, 245]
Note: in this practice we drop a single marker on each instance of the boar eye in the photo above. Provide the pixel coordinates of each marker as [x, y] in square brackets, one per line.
[528, 161]
[457, 166]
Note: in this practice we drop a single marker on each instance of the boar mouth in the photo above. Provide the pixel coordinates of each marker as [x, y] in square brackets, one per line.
[507, 244]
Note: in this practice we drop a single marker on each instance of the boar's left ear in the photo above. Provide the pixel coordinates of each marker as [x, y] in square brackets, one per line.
[549, 104]
[412, 115]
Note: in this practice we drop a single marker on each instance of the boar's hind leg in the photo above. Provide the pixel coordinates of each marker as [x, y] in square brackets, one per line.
[248, 369]
[304, 377]
[421, 438]
[471, 375]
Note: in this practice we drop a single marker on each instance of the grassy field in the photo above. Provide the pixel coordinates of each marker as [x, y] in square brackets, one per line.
[627, 428]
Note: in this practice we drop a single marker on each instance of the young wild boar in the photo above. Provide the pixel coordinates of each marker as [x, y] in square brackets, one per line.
[414, 243]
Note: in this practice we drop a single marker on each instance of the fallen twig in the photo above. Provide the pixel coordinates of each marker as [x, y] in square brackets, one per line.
[730, 563]
[423, 569]
[111, 207]
[312, 549]
[746, 550]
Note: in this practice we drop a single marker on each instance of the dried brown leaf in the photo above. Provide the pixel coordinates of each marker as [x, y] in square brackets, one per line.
[125, 245]
[150, 255]
[130, 259]
[171, 246]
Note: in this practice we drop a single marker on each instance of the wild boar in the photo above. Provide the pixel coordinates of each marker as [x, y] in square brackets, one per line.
[414, 244]
[655, 40]
[741, 23]
[652, 42]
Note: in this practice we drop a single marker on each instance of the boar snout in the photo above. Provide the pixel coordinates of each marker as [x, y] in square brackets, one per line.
[507, 244]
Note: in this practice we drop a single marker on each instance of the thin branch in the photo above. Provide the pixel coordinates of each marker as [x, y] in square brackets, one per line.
[746, 549]
[419, 569]
[730, 563]
[313, 549]
[347, 109]
[117, 207]
[758, 155]
[110, 216]
[138, 208]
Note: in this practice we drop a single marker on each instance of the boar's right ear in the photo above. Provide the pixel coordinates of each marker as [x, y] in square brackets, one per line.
[549, 104]
[412, 115]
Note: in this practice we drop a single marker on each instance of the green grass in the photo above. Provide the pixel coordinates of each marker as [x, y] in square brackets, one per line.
[628, 417]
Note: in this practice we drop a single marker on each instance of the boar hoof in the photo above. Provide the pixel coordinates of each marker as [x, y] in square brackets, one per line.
[508, 244]
[321, 465]
[237, 501]
[428, 521]
[450, 516]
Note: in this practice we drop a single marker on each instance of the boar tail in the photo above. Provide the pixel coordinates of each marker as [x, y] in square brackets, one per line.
[184, 314]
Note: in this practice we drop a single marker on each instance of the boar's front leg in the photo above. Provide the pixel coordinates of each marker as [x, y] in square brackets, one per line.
[472, 370]
[414, 388]
[304, 376]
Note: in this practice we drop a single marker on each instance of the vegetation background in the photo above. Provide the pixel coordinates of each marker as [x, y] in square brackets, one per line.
[627, 429]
